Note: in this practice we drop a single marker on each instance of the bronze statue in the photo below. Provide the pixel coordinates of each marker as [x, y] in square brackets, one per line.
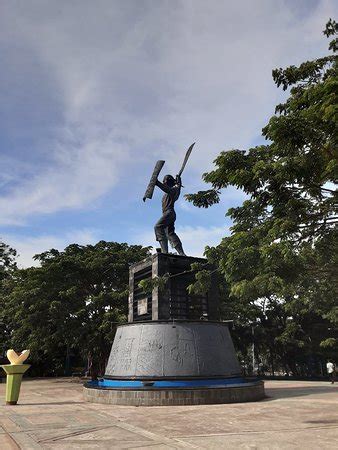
[165, 227]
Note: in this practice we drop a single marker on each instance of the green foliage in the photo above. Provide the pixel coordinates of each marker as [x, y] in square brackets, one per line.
[330, 30]
[329, 343]
[7, 261]
[149, 284]
[204, 199]
[280, 262]
[71, 304]
[7, 270]
[202, 279]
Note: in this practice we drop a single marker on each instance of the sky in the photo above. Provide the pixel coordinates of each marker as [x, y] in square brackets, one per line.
[94, 93]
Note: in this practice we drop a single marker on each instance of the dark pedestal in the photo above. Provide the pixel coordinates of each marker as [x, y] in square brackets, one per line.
[174, 350]
[174, 301]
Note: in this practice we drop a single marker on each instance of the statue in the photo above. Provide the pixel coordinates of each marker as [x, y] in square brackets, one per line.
[165, 227]
[14, 372]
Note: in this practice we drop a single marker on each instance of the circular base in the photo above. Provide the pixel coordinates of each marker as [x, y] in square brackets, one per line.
[11, 403]
[155, 396]
[172, 349]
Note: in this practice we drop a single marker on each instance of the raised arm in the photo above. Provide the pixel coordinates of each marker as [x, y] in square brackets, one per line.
[163, 187]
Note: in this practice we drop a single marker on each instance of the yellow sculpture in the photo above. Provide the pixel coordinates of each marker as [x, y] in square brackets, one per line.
[15, 371]
[15, 358]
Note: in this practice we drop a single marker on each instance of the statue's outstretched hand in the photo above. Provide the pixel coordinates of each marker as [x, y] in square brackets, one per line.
[179, 180]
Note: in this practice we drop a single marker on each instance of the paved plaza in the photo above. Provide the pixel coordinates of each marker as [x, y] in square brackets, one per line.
[53, 415]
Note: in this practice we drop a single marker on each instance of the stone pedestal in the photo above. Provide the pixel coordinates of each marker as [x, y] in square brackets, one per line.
[173, 301]
[174, 350]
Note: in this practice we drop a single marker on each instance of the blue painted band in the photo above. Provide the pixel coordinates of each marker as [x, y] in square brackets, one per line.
[203, 383]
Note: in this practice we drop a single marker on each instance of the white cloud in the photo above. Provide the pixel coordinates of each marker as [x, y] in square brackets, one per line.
[76, 176]
[133, 82]
[194, 239]
[27, 247]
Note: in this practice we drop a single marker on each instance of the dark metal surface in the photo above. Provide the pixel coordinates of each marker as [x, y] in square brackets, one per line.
[165, 226]
[186, 158]
[173, 300]
[166, 349]
[151, 186]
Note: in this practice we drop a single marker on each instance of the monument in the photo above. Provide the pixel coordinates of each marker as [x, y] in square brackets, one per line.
[14, 372]
[174, 350]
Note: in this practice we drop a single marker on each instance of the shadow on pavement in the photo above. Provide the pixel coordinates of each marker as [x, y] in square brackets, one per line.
[274, 393]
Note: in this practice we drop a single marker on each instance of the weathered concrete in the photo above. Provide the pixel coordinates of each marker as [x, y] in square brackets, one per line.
[248, 392]
[52, 414]
[160, 349]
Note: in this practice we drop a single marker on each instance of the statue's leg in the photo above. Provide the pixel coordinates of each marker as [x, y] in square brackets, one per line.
[174, 240]
[161, 233]
[164, 246]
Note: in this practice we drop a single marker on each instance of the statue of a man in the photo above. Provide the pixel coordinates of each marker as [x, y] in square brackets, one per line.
[165, 227]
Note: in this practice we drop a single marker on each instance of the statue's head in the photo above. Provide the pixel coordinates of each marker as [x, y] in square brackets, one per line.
[169, 180]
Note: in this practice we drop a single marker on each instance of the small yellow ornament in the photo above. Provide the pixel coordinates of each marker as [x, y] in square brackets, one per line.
[15, 358]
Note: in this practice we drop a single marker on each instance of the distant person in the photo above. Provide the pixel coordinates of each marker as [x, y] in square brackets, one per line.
[261, 369]
[330, 370]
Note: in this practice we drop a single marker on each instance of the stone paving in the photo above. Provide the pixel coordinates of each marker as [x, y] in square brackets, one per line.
[53, 415]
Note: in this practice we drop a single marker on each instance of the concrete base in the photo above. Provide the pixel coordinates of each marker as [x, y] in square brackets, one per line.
[233, 393]
[161, 363]
[160, 350]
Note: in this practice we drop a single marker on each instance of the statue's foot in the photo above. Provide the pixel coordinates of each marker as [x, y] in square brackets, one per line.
[180, 250]
[164, 246]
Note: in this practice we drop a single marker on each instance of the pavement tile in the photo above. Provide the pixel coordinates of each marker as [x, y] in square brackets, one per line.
[8, 425]
[111, 433]
[311, 440]
[106, 445]
[51, 433]
[7, 443]
[24, 441]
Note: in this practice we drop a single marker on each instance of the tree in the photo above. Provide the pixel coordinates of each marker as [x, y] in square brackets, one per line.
[7, 261]
[72, 303]
[7, 270]
[281, 257]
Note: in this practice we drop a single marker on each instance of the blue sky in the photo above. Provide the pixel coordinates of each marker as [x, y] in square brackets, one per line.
[93, 93]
